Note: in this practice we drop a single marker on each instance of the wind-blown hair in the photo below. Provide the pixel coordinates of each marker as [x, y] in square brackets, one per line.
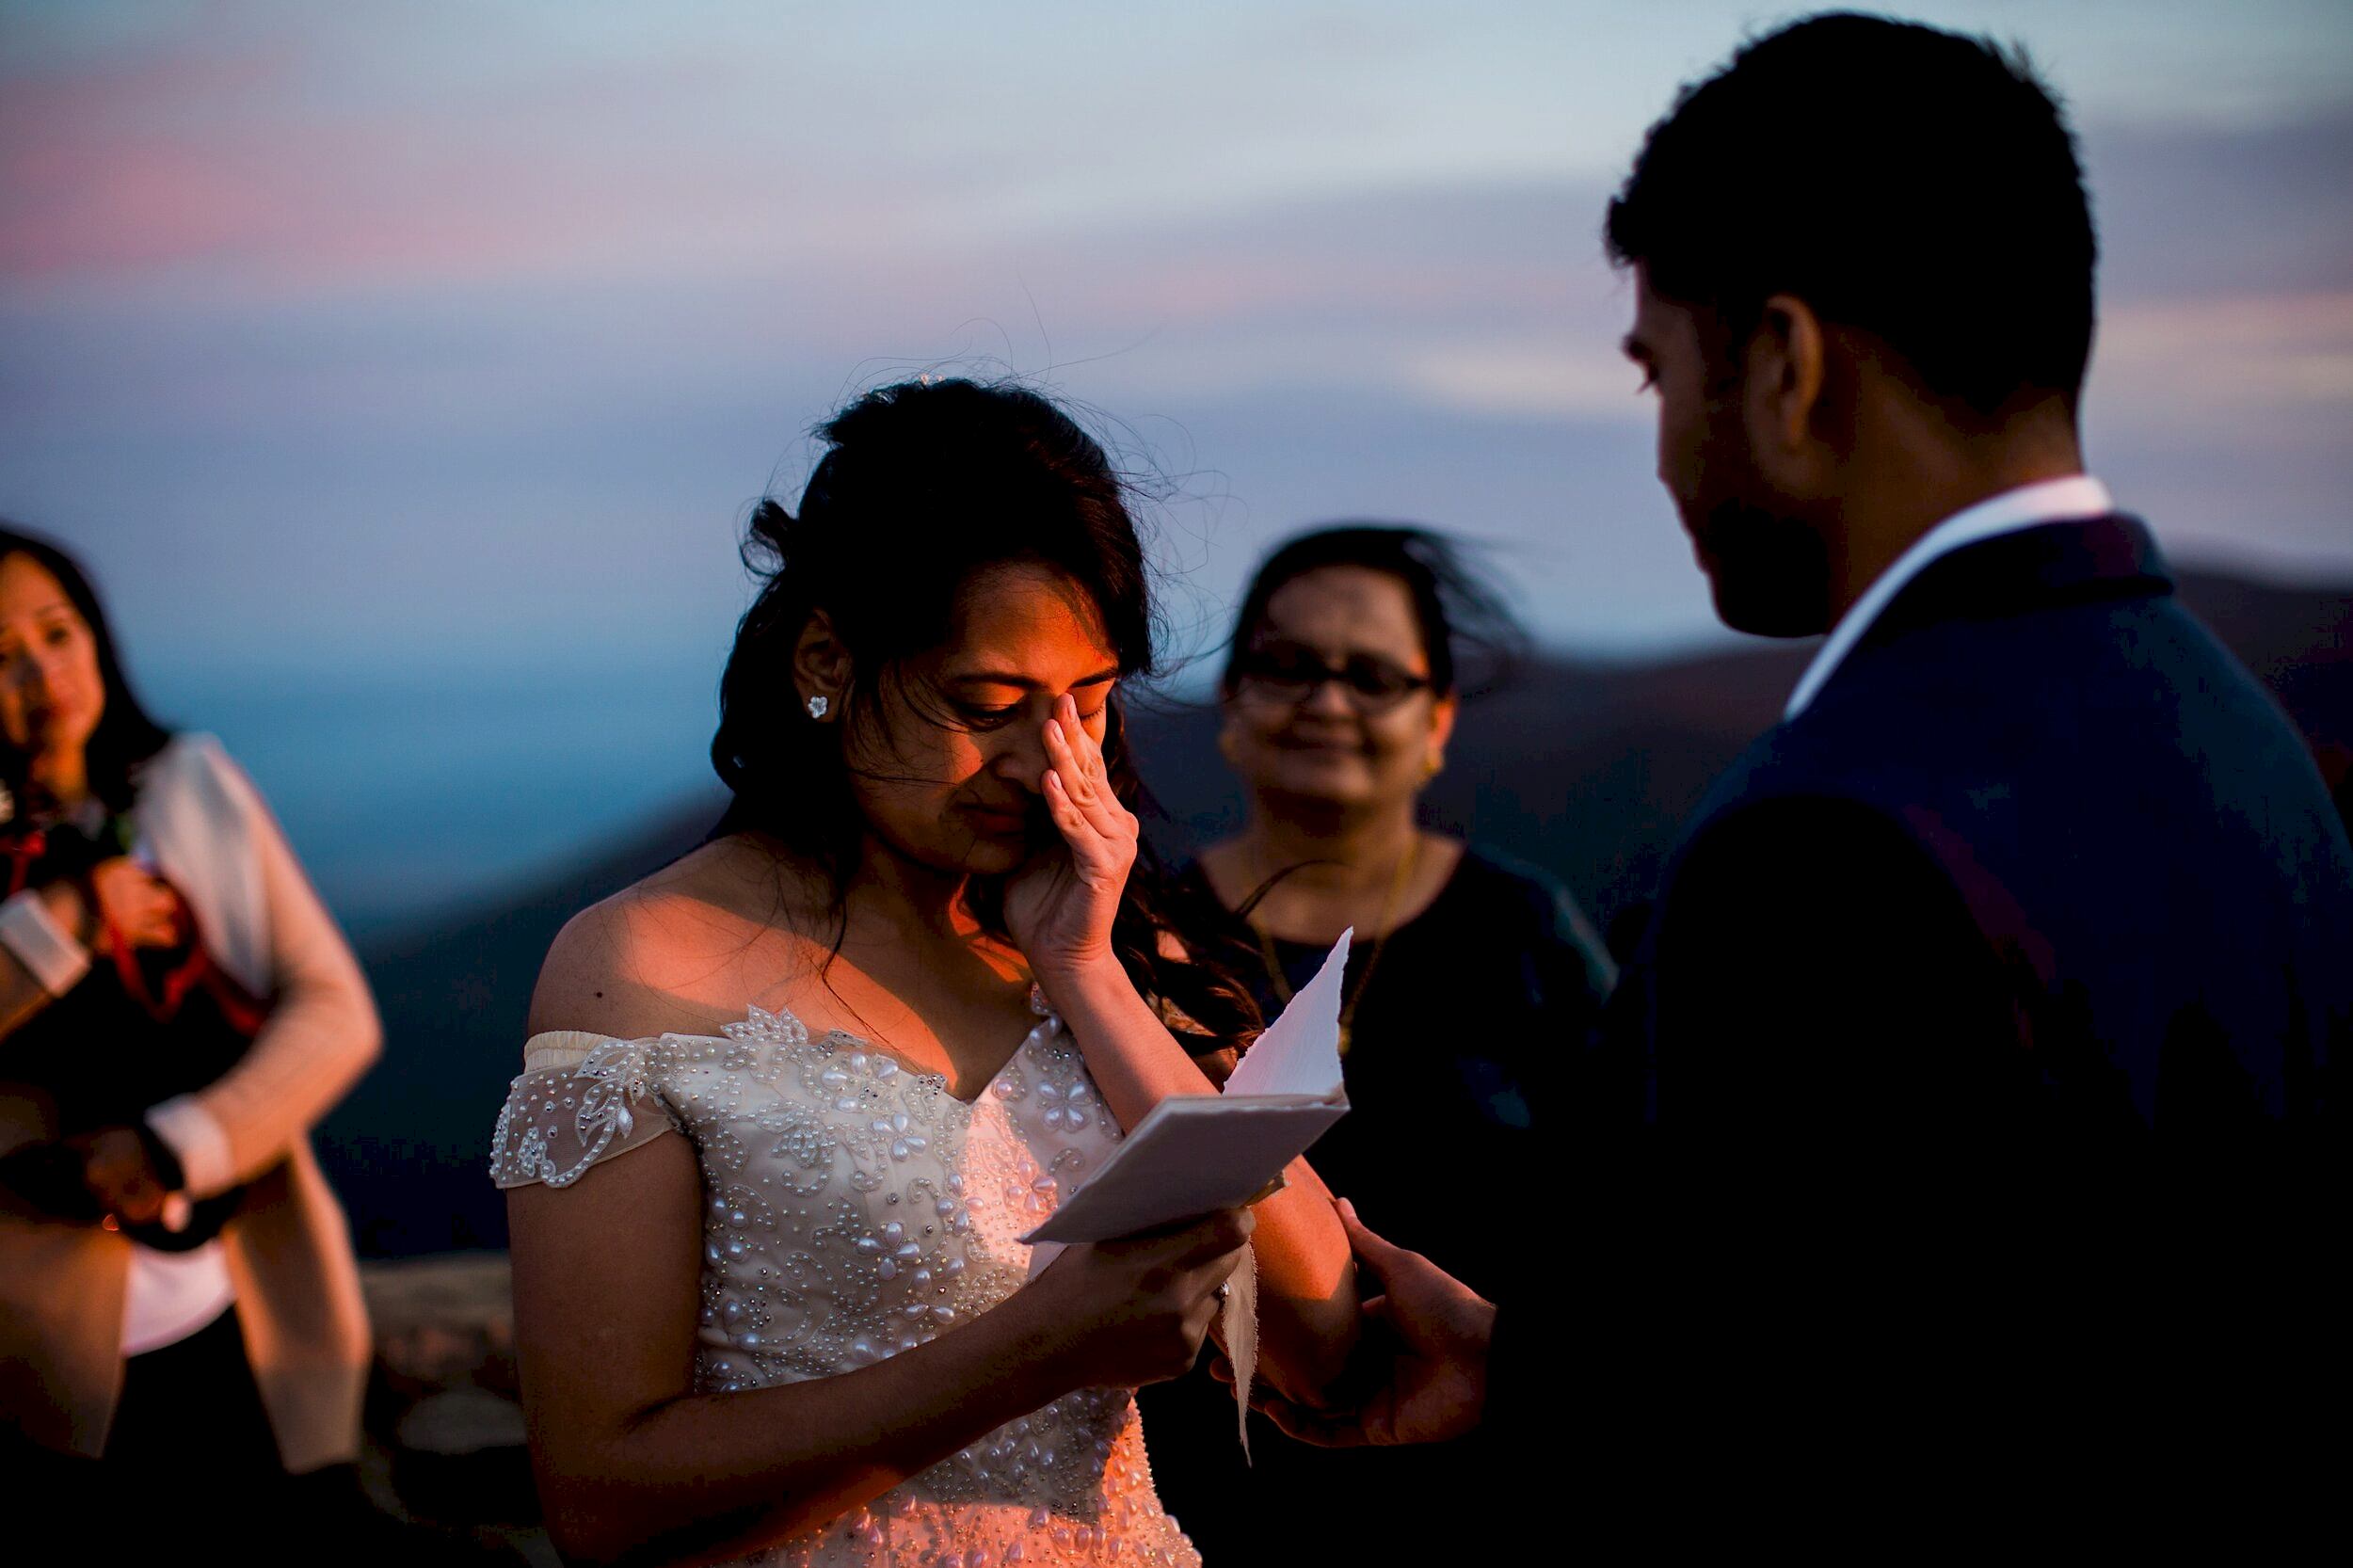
[923, 486]
[1466, 624]
[1916, 184]
[126, 736]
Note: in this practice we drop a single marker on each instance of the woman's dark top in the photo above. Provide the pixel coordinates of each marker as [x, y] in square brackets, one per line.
[1462, 1046]
[132, 1033]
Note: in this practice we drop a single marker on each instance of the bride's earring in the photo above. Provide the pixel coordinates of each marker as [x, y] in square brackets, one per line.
[817, 707]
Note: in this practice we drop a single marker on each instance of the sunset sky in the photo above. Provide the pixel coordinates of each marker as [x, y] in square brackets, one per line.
[422, 335]
[405, 371]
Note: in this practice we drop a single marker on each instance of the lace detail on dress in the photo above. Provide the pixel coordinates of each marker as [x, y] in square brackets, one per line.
[854, 1210]
[559, 1120]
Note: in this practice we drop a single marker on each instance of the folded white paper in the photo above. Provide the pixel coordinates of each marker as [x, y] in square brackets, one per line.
[1194, 1153]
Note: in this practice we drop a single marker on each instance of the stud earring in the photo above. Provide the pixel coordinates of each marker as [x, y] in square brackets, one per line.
[1432, 765]
[817, 706]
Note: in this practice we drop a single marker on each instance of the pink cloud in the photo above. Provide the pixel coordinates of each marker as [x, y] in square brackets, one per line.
[115, 166]
[71, 209]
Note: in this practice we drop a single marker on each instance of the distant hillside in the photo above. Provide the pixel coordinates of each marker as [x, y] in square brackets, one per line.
[1589, 768]
[410, 1148]
[1584, 768]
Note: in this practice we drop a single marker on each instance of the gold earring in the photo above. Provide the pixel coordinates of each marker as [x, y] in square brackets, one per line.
[1432, 765]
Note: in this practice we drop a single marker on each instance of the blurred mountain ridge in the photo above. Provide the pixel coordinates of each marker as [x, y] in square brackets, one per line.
[1584, 768]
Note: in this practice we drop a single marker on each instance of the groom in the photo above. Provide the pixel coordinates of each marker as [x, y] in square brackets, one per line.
[1985, 1049]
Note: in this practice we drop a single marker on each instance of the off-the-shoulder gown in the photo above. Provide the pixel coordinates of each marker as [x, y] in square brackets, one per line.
[854, 1209]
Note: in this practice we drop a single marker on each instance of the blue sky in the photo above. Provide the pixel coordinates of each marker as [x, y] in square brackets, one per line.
[357, 340]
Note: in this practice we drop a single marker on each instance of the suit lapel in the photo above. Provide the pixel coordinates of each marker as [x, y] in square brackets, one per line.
[2035, 568]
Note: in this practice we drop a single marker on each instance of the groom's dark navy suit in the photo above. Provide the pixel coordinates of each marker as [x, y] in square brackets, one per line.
[2038, 804]
[1986, 1051]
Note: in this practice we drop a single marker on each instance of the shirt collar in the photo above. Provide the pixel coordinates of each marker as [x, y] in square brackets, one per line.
[2065, 499]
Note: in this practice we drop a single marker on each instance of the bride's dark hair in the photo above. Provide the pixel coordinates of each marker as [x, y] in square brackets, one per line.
[923, 485]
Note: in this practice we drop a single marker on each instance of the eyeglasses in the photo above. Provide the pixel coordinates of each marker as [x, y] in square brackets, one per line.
[1292, 673]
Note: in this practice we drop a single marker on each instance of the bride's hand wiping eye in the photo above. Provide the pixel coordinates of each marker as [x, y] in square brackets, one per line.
[1060, 907]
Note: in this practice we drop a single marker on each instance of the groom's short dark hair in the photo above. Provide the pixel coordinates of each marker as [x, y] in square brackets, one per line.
[1916, 184]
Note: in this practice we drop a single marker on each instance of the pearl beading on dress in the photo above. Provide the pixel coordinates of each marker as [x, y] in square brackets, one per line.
[854, 1211]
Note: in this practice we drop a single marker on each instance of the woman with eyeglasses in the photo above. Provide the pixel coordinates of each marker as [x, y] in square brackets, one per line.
[1472, 979]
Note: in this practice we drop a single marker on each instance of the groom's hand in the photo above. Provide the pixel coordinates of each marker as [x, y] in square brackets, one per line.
[1425, 1340]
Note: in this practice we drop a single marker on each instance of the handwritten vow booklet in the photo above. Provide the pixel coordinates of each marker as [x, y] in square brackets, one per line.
[1194, 1153]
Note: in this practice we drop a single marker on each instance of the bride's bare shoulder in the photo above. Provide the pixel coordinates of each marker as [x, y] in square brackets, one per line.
[676, 949]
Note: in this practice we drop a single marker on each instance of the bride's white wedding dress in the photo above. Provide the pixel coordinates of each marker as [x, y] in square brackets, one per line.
[855, 1208]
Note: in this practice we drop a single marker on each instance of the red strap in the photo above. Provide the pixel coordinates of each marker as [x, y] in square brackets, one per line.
[245, 1013]
[23, 851]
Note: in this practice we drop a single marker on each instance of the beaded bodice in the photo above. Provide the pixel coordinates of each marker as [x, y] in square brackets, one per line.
[854, 1209]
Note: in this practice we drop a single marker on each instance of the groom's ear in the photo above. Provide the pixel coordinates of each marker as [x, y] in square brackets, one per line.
[820, 664]
[1785, 371]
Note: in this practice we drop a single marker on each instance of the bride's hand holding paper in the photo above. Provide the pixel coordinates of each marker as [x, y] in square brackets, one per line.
[1194, 1153]
[1193, 1150]
[1188, 1151]
[1198, 1152]
[1135, 1310]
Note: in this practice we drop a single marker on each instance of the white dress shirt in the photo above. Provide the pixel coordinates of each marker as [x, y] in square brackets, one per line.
[2073, 498]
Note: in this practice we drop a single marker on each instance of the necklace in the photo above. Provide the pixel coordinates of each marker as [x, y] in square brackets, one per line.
[1374, 946]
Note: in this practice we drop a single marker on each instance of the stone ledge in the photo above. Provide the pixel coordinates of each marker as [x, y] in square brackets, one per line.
[442, 1444]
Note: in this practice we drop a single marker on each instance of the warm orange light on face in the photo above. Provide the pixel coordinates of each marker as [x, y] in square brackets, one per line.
[51, 692]
[949, 772]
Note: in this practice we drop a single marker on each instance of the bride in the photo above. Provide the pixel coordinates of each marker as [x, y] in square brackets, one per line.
[913, 989]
